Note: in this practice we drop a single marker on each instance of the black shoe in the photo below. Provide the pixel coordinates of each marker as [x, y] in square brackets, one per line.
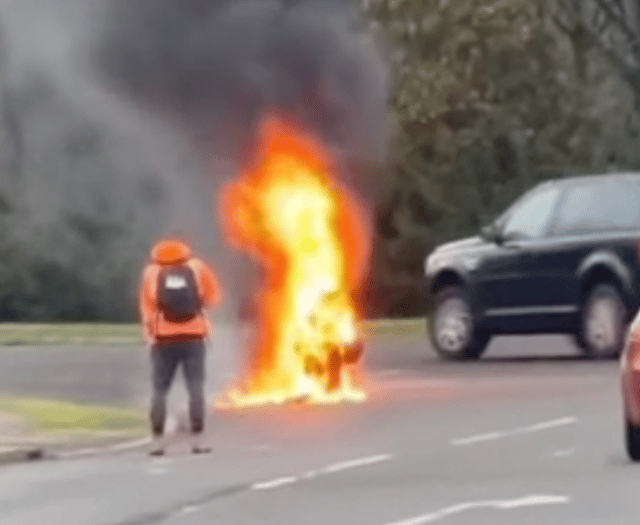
[156, 452]
[201, 450]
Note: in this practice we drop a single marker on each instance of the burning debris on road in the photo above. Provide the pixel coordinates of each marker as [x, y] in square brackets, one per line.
[308, 234]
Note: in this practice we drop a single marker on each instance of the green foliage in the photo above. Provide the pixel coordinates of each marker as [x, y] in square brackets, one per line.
[58, 415]
[73, 230]
[490, 99]
[35, 288]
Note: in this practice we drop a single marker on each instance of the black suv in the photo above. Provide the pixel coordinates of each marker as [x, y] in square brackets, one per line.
[562, 259]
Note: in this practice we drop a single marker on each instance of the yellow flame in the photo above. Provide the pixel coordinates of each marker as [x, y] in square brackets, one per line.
[314, 316]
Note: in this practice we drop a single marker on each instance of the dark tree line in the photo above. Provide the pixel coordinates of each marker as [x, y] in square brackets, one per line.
[490, 97]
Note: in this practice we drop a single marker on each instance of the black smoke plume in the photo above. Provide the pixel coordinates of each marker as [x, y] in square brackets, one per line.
[120, 119]
[218, 66]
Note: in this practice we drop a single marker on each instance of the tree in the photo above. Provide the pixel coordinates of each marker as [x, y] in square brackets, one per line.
[610, 26]
[491, 98]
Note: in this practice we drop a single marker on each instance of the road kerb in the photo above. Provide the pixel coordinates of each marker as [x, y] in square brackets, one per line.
[32, 452]
[95, 451]
[10, 455]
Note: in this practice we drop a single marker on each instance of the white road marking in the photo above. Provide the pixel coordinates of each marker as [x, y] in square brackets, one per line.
[527, 501]
[190, 509]
[275, 483]
[563, 453]
[477, 439]
[130, 444]
[331, 469]
[549, 424]
[361, 462]
[516, 431]
[113, 448]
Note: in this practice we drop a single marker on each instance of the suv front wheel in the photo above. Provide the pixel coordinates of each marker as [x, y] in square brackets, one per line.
[452, 328]
[602, 325]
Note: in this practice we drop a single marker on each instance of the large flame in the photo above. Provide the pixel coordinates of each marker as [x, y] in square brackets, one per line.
[311, 239]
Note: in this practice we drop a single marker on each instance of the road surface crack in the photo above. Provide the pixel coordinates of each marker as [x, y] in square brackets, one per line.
[158, 517]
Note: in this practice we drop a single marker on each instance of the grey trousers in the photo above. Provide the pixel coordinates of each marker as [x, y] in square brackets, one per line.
[165, 359]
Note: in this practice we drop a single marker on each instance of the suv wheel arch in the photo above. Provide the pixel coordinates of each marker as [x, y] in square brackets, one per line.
[446, 278]
[604, 266]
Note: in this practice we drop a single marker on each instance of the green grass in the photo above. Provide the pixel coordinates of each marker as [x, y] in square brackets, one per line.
[53, 334]
[397, 327]
[129, 334]
[58, 415]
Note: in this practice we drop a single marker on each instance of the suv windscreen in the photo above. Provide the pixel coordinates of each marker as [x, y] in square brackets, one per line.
[530, 217]
[602, 207]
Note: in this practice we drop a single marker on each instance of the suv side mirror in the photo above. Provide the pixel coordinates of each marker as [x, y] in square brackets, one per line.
[491, 233]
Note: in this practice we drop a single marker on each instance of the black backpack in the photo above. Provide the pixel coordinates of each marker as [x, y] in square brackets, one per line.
[178, 296]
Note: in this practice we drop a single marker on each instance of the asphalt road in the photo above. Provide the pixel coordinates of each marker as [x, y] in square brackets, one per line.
[527, 435]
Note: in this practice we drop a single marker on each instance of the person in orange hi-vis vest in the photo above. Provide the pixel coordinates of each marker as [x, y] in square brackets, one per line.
[176, 287]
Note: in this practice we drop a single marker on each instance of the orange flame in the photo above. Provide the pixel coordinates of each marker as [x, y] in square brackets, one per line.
[312, 240]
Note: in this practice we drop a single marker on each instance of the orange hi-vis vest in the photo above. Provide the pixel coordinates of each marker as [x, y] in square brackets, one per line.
[154, 325]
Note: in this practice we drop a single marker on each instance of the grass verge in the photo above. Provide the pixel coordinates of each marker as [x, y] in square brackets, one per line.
[129, 334]
[71, 417]
[396, 326]
[81, 333]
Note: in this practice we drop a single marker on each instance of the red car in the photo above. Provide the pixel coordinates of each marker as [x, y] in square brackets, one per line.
[630, 368]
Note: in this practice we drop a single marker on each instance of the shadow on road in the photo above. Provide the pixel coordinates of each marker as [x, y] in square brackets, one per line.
[541, 358]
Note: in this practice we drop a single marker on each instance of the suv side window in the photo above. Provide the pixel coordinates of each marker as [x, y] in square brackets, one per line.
[531, 218]
[601, 207]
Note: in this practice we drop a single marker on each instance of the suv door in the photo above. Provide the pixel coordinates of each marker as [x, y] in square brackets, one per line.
[599, 216]
[506, 277]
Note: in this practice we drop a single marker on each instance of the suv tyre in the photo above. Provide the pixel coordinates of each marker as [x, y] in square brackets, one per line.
[602, 323]
[452, 328]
